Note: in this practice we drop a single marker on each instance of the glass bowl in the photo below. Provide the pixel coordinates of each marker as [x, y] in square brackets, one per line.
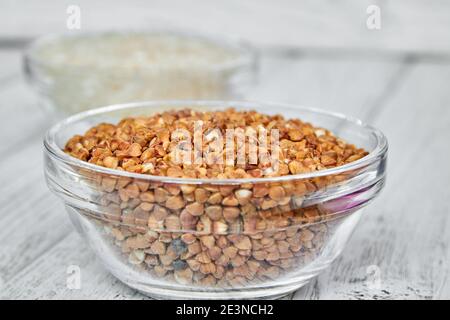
[77, 72]
[189, 250]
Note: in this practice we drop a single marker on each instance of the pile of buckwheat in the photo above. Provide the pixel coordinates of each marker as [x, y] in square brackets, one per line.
[212, 234]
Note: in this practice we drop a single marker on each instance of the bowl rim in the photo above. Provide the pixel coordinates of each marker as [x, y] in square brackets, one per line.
[246, 54]
[50, 145]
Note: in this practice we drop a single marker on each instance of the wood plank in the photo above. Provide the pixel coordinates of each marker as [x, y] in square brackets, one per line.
[406, 25]
[406, 232]
[47, 277]
[349, 85]
[21, 115]
[28, 210]
[10, 62]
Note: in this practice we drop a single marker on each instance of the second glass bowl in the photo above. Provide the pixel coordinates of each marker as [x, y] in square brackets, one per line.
[76, 72]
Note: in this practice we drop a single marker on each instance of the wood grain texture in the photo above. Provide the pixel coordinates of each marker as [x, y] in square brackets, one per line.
[405, 233]
[406, 25]
[349, 85]
[46, 277]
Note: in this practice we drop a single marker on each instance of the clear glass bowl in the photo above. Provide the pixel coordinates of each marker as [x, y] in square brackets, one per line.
[252, 252]
[77, 72]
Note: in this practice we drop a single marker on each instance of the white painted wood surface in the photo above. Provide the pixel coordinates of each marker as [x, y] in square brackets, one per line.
[406, 25]
[405, 233]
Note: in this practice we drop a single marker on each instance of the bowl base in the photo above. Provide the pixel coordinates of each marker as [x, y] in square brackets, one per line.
[167, 293]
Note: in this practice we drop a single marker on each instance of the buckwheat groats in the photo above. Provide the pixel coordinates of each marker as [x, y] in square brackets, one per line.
[209, 231]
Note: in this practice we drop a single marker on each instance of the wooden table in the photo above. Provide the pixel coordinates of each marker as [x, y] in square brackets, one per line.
[403, 240]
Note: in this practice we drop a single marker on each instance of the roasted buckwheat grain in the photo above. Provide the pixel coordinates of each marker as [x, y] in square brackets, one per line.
[210, 234]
